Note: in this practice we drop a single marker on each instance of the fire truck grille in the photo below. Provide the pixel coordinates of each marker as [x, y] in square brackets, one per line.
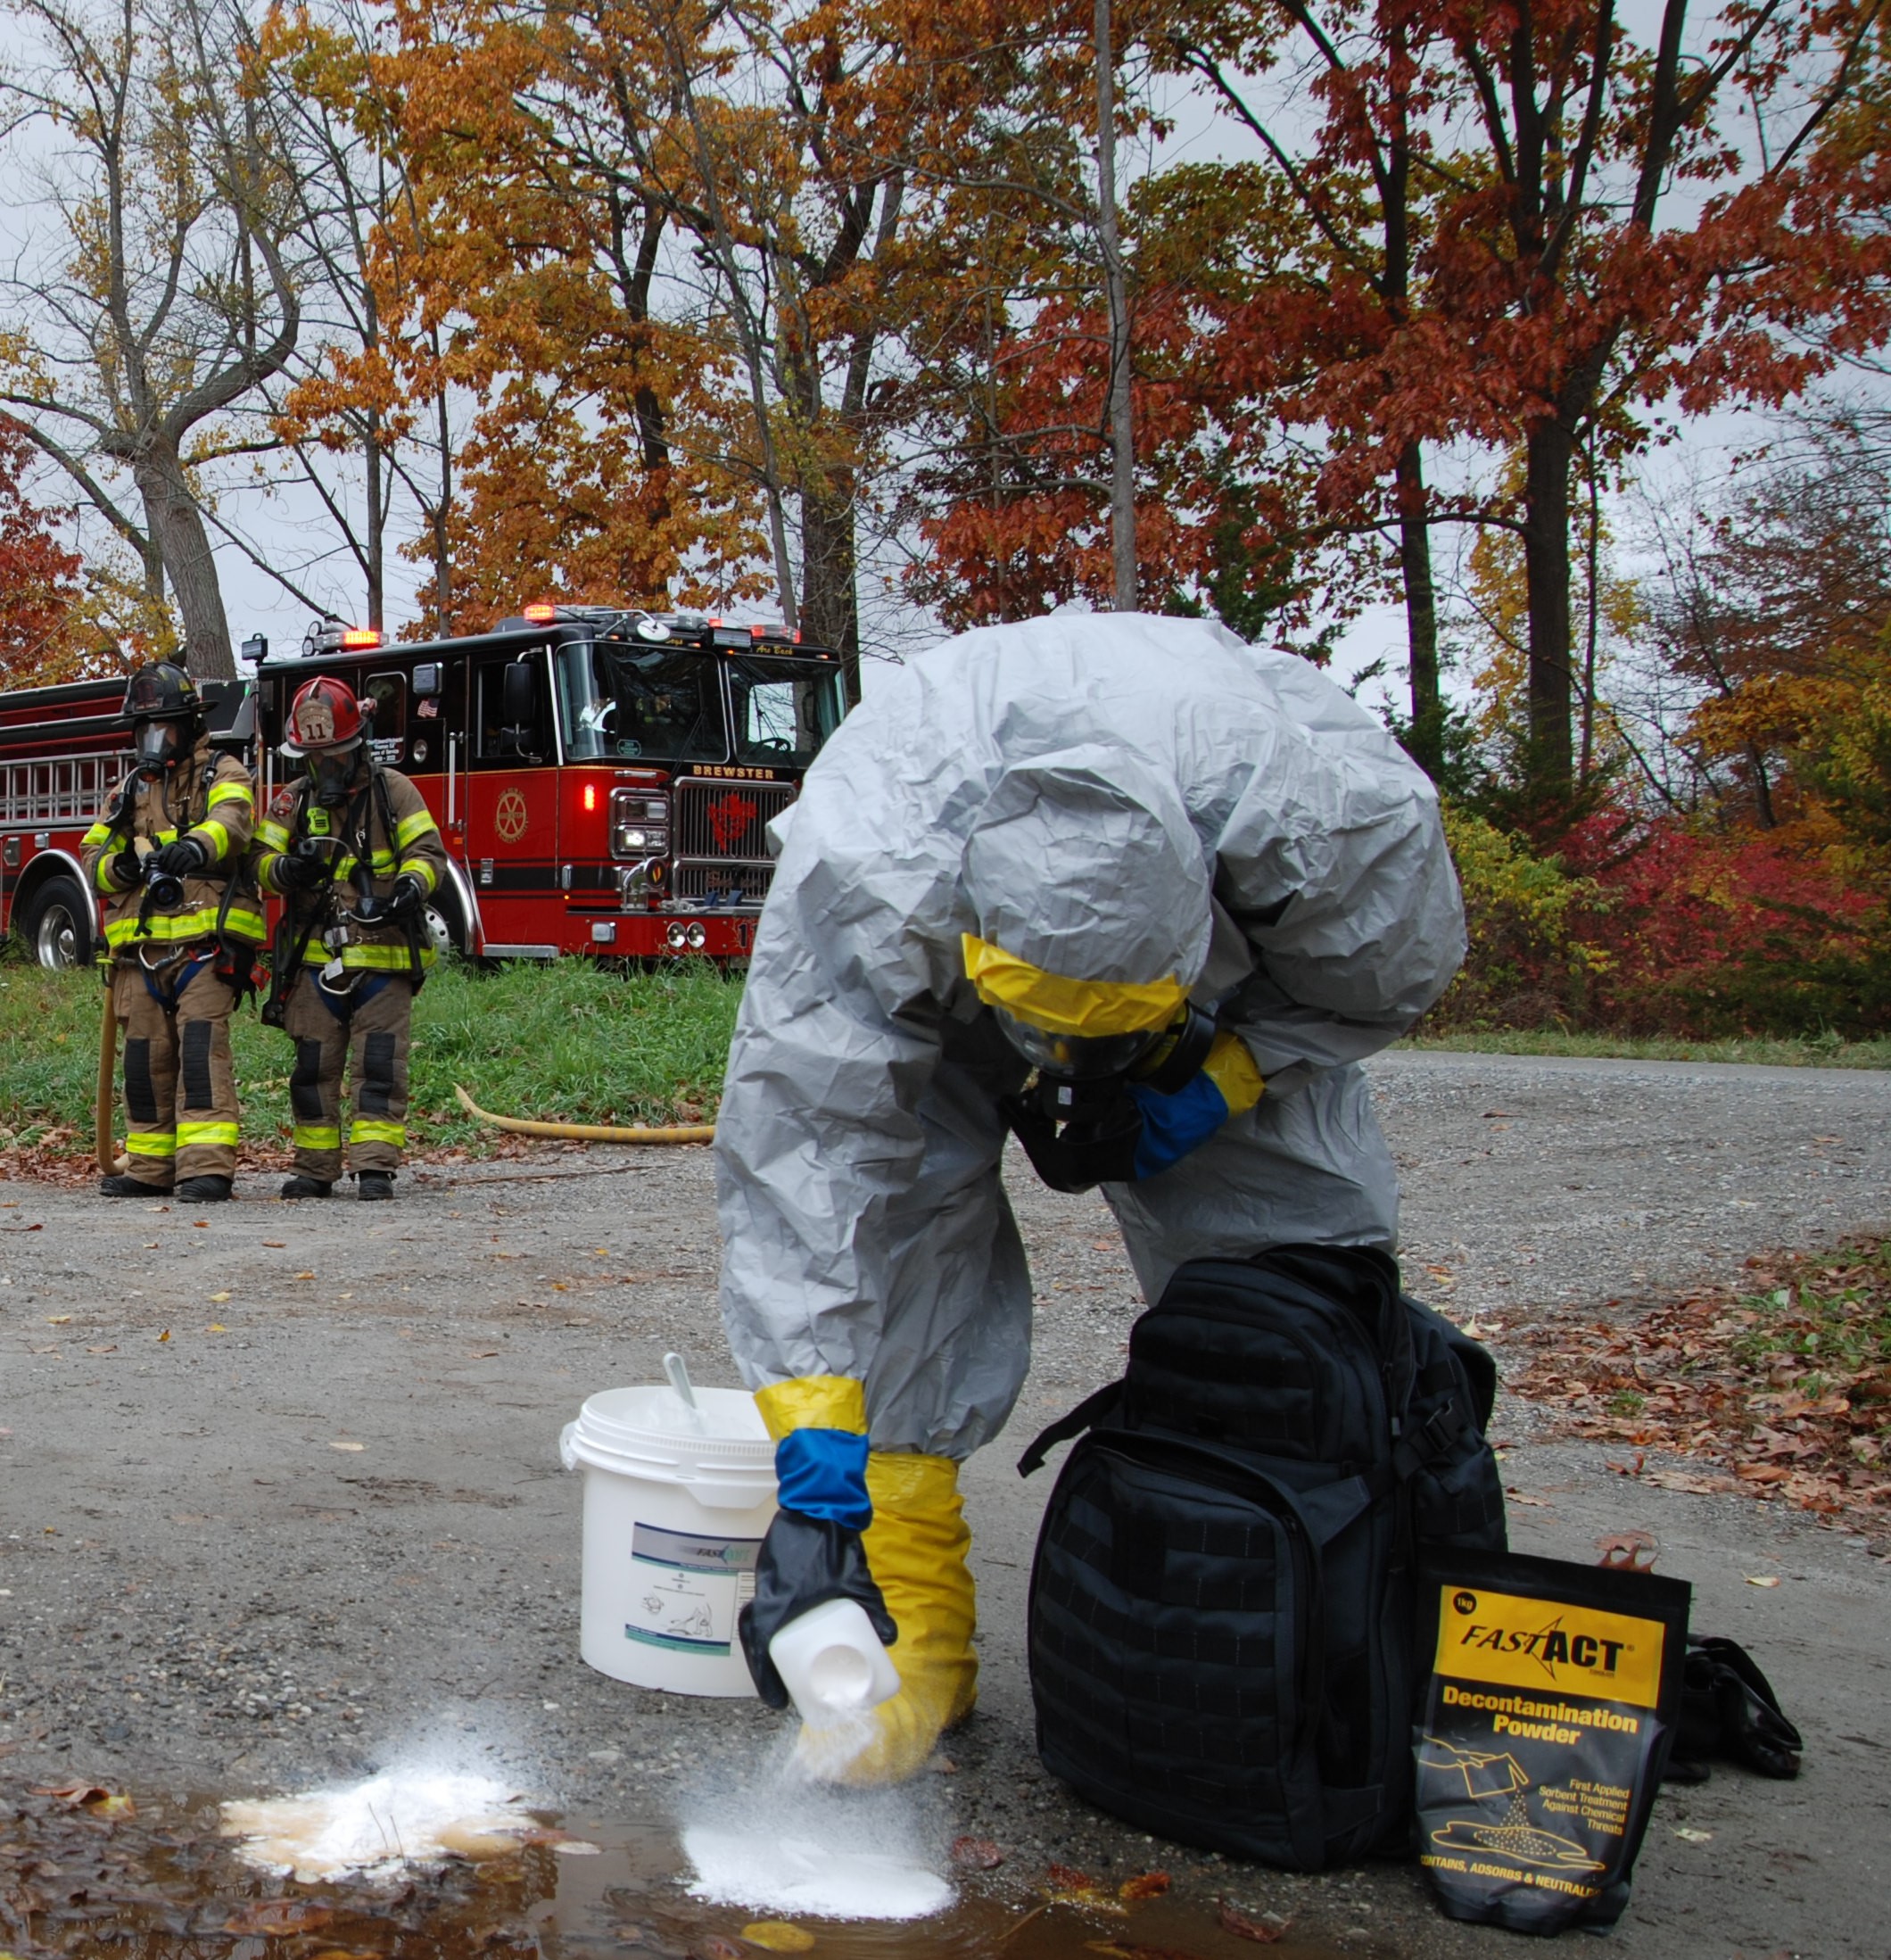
[719, 830]
[727, 820]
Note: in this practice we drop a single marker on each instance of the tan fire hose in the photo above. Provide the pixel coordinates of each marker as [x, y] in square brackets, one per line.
[587, 1133]
[105, 1107]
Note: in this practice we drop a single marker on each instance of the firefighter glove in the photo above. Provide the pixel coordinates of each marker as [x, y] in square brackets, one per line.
[128, 869]
[804, 1562]
[407, 899]
[294, 871]
[183, 859]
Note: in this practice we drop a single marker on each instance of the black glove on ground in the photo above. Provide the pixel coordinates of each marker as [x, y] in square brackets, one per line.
[407, 899]
[804, 1562]
[184, 859]
[1728, 1709]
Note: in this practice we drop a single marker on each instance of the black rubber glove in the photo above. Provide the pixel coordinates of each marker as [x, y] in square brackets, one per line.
[293, 871]
[1096, 1145]
[407, 901]
[128, 869]
[1728, 1709]
[183, 859]
[804, 1562]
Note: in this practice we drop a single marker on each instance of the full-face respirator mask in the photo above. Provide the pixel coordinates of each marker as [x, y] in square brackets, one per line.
[157, 746]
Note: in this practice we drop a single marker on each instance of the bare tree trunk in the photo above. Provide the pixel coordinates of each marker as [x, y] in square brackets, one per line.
[375, 542]
[1547, 459]
[829, 602]
[1425, 737]
[176, 525]
[1122, 428]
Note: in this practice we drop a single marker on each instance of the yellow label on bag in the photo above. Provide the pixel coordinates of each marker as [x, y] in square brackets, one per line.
[1551, 1648]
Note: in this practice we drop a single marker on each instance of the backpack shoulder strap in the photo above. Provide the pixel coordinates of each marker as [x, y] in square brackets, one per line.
[1090, 1412]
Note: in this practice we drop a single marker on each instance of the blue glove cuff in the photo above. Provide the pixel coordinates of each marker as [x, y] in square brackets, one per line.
[1175, 1125]
[822, 1472]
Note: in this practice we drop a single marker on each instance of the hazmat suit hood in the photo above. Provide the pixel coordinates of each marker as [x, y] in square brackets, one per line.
[1085, 863]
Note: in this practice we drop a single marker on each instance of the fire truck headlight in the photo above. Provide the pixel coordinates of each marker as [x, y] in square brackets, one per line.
[639, 822]
[674, 936]
[696, 937]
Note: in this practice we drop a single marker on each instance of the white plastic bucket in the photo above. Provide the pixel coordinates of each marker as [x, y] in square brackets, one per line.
[672, 1523]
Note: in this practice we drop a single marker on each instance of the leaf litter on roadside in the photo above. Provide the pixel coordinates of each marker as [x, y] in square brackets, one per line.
[1783, 1382]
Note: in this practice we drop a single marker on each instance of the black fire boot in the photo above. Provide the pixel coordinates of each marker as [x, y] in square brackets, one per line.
[302, 1186]
[208, 1189]
[125, 1186]
[375, 1184]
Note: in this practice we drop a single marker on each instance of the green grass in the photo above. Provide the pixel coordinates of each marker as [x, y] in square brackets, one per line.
[568, 1043]
[1775, 1051]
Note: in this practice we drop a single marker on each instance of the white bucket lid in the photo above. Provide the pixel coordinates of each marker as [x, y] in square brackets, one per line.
[641, 1432]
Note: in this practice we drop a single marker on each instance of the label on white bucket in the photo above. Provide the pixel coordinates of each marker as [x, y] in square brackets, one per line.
[693, 1588]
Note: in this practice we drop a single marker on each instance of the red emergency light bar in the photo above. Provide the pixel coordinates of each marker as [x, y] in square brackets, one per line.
[360, 638]
[541, 612]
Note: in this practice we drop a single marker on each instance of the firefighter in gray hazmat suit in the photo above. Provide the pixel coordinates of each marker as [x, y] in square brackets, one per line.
[1193, 884]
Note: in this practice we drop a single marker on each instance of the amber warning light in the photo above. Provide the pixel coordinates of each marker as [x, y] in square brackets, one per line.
[541, 612]
[361, 638]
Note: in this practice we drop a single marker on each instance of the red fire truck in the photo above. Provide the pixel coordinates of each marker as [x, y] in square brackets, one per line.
[603, 777]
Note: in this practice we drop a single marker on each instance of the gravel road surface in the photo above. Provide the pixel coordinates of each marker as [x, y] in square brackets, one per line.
[282, 1500]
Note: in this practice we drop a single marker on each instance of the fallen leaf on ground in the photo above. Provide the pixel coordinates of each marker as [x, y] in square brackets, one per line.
[1765, 1578]
[976, 1854]
[217, 1299]
[165, 1335]
[303, 1276]
[39, 1227]
[74, 1796]
[277, 1918]
[338, 1444]
[112, 1350]
[1690, 1836]
[778, 1936]
[1512, 1495]
[276, 1245]
[575, 1848]
[216, 1327]
[484, 1353]
[1628, 1551]
[201, 1224]
[1265, 1932]
[713, 1946]
[1145, 1885]
[57, 1320]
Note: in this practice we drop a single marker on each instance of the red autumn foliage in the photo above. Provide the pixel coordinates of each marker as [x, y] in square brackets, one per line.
[37, 575]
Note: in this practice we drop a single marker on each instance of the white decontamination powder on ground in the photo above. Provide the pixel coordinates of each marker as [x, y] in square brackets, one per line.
[398, 1818]
[800, 1875]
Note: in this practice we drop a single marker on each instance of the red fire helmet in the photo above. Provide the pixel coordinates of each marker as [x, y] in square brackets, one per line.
[325, 715]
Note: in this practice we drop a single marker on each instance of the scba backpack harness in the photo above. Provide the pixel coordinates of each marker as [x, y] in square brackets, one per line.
[1222, 1603]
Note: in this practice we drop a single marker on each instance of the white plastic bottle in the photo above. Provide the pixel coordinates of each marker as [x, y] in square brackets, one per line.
[831, 1662]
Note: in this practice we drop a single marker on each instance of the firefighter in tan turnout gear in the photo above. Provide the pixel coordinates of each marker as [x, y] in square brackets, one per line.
[182, 926]
[355, 854]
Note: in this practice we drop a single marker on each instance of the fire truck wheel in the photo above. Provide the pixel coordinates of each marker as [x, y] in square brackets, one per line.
[443, 925]
[57, 925]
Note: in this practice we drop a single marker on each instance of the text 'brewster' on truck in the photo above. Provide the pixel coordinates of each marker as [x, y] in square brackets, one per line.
[603, 777]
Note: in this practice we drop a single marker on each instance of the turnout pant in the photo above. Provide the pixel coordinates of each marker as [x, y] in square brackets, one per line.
[180, 1091]
[368, 1029]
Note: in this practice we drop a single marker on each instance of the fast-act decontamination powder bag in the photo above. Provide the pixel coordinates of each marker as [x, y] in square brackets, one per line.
[1553, 1694]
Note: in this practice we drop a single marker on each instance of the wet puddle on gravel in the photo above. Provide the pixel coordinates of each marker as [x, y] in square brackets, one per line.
[163, 1883]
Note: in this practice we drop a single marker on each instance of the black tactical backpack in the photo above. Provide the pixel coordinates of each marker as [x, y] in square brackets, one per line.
[1221, 1610]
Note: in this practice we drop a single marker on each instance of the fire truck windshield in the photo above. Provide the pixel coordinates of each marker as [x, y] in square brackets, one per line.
[784, 708]
[658, 702]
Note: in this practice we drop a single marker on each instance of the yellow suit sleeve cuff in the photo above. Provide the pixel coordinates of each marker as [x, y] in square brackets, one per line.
[813, 1401]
